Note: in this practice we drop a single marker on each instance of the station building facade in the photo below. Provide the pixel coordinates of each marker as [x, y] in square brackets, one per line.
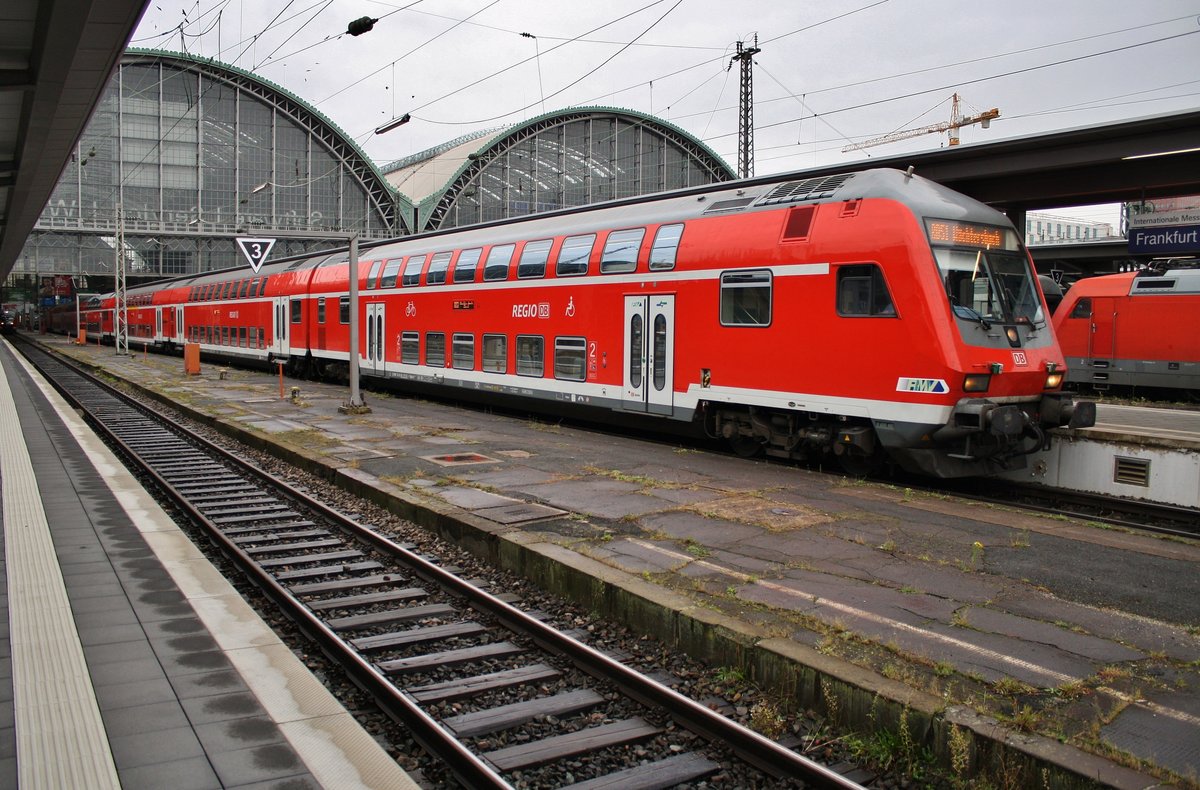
[183, 154]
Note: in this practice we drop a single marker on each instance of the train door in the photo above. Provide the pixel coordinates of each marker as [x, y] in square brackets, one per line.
[375, 338]
[649, 353]
[158, 325]
[1103, 337]
[282, 347]
[179, 334]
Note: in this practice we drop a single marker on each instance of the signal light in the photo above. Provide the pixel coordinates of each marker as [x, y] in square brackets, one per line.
[977, 382]
[361, 25]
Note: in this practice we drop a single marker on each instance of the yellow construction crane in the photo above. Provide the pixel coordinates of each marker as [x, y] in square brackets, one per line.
[956, 122]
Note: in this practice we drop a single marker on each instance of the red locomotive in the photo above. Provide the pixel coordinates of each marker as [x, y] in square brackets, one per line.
[872, 315]
[1134, 329]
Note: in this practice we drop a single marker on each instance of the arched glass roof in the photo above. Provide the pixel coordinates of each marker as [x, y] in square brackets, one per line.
[559, 160]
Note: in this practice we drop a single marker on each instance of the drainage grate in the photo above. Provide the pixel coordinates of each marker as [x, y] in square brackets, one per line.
[460, 459]
[1131, 471]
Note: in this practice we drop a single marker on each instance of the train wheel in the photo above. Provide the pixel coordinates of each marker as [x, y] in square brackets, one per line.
[745, 446]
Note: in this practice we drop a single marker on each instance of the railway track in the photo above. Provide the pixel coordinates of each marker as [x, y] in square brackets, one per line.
[500, 697]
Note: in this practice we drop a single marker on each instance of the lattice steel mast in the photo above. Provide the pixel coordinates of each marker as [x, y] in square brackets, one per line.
[745, 161]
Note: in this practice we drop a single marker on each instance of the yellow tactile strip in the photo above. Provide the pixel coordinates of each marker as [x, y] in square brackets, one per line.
[61, 740]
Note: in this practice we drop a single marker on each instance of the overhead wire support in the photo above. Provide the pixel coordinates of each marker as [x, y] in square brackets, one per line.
[745, 161]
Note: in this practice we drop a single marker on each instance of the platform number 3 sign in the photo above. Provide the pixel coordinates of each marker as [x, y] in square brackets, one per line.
[255, 250]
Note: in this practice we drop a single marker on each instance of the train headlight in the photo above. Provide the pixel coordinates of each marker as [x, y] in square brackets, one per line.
[1014, 337]
[977, 382]
[1054, 380]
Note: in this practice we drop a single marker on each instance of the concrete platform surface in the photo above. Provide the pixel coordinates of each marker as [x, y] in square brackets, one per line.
[1054, 644]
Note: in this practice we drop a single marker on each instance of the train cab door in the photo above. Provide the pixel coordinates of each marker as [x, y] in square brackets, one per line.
[283, 346]
[649, 353]
[1102, 339]
[376, 324]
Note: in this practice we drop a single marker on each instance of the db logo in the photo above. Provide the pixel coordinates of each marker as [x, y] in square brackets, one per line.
[1019, 359]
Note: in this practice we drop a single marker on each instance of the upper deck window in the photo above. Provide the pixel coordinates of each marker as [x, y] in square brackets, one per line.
[574, 254]
[437, 268]
[390, 270]
[464, 267]
[412, 271]
[533, 258]
[499, 258]
[666, 247]
[621, 250]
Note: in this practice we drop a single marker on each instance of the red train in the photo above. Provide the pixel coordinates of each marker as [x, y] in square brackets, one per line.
[1134, 330]
[870, 315]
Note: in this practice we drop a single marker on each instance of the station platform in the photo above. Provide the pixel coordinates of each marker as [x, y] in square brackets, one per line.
[1049, 645]
[1134, 452]
[127, 660]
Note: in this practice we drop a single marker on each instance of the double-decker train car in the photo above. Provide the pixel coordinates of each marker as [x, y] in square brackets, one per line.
[869, 315]
[1134, 329]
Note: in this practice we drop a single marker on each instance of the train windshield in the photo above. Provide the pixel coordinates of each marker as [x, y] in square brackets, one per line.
[986, 273]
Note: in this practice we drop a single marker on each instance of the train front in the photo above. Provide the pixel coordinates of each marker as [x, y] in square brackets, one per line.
[1004, 363]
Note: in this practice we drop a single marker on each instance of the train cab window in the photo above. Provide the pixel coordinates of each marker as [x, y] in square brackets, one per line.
[244, 289]
[495, 353]
[410, 348]
[437, 268]
[574, 255]
[464, 267]
[463, 351]
[861, 291]
[621, 251]
[373, 275]
[435, 349]
[344, 310]
[570, 355]
[746, 298]
[412, 271]
[665, 248]
[390, 270]
[321, 310]
[294, 310]
[1082, 309]
[533, 258]
[531, 359]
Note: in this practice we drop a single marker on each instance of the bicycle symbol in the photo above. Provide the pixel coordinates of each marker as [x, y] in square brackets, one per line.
[410, 310]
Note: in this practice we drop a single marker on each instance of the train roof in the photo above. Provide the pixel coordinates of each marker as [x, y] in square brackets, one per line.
[925, 197]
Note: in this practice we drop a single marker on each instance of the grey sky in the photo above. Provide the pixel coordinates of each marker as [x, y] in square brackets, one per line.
[829, 72]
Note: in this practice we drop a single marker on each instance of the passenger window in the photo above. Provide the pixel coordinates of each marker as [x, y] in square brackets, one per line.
[569, 358]
[244, 289]
[533, 258]
[242, 336]
[574, 254]
[389, 273]
[530, 355]
[435, 349]
[498, 260]
[374, 274]
[412, 271]
[295, 310]
[253, 288]
[410, 348]
[495, 353]
[463, 351]
[861, 291]
[344, 310]
[1082, 309]
[321, 310]
[746, 298]
[464, 268]
[666, 245]
[621, 251]
[437, 269]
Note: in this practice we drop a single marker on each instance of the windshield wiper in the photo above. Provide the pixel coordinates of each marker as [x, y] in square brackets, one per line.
[962, 311]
